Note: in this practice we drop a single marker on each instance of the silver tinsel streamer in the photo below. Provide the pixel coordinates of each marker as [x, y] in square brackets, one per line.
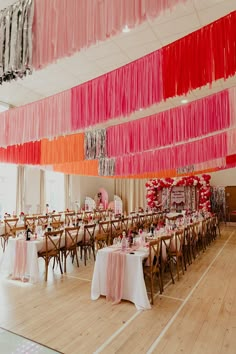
[95, 144]
[16, 40]
[106, 167]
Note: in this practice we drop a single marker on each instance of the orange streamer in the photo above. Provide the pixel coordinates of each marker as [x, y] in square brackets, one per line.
[63, 149]
[85, 168]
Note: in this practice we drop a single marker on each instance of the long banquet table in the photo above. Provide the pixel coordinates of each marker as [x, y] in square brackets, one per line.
[134, 288]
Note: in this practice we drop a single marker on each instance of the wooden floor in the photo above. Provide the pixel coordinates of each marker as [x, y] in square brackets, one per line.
[195, 315]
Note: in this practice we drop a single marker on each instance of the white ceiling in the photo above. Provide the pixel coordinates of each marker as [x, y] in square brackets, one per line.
[119, 50]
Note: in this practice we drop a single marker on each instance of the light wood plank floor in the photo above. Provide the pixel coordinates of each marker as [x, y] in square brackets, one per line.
[195, 315]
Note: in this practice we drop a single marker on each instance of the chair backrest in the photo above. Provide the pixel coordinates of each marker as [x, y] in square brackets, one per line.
[43, 221]
[70, 218]
[89, 234]
[56, 217]
[115, 226]
[104, 227]
[30, 222]
[57, 225]
[154, 255]
[71, 237]
[53, 241]
[10, 225]
[179, 240]
[125, 224]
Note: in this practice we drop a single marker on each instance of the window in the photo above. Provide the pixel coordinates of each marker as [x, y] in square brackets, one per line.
[55, 196]
[8, 179]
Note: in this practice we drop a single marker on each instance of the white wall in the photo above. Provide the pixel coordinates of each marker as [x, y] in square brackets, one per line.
[224, 178]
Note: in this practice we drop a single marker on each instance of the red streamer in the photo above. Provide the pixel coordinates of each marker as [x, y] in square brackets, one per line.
[28, 153]
[200, 58]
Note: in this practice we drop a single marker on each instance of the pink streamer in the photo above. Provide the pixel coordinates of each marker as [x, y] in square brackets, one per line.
[63, 27]
[231, 142]
[46, 118]
[118, 93]
[201, 117]
[194, 152]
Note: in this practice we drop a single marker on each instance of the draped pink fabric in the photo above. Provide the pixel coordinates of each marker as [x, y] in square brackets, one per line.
[20, 260]
[63, 27]
[193, 152]
[118, 93]
[221, 162]
[42, 119]
[195, 119]
[231, 141]
[232, 102]
[115, 276]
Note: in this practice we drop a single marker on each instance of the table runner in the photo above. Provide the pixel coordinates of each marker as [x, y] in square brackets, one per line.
[115, 276]
[20, 260]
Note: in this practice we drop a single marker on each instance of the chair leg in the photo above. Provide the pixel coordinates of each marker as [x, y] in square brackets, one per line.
[76, 256]
[59, 261]
[170, 266]
[65, 262]
[152, 289]
[177, 267]
[46, 270]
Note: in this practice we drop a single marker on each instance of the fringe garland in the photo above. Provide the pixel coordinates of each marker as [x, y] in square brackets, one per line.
[16, 40]
[63, 27]
[208, 115]
[106, 167]
[95, 144]
[206, 56]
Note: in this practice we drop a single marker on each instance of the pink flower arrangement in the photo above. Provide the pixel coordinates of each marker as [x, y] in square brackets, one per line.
[202, 183]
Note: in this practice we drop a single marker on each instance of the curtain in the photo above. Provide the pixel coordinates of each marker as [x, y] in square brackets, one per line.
[67, 191]
[20, 189]
[42, 192]
[132, 192]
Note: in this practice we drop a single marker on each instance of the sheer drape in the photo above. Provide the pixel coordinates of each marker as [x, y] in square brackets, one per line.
[42, 191]
[20, 189]
[67, 191]
[132, 192]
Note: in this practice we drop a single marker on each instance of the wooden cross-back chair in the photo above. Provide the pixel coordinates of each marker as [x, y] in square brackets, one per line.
[152, 268]
[9, 230]
[70, 218]
[165, 258]
[176, 250]
[30, 222]
[125, 223]
[56, 217]
[51, 250]
[43, 221]
[116, 229]
[88, 242]
[71, 244]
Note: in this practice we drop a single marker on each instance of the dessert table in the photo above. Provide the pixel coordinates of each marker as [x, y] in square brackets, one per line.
[133, 287]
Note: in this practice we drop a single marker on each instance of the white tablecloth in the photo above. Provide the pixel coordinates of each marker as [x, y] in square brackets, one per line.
[32, 267]
[134, 288]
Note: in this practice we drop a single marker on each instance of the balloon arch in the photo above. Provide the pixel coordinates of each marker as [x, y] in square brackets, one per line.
[156, 186]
